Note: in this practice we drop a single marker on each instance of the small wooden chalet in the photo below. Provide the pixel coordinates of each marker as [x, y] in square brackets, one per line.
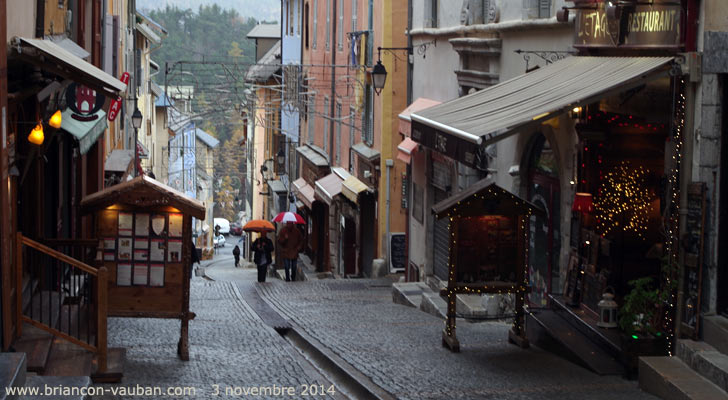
[488, 250]
[144, 229]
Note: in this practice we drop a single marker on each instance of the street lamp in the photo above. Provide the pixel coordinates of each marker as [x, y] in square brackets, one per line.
[136, 121]
[379, 77]
[281, 158]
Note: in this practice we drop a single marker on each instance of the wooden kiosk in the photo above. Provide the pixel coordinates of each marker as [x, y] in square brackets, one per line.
[145, 241]
[488, 251]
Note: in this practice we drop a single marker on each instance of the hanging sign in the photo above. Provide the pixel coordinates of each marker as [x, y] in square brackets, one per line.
[83, 102]
[116, 103]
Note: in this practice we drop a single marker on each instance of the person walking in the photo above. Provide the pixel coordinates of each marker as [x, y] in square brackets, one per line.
[262, 249]
[236, 254]
[290, 243]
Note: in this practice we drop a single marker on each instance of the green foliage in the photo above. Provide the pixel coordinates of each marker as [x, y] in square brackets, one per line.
[644, 307]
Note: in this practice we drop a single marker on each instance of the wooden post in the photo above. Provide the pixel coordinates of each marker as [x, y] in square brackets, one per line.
[19, 284]
[183, 346]
[101, 312]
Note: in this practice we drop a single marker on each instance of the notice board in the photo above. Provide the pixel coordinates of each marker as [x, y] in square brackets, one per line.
[693, 244]
[397, 252]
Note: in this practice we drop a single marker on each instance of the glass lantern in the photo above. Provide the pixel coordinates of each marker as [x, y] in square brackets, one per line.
[607, 311]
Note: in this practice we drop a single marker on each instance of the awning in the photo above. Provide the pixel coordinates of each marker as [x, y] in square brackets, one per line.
[328, 187]
[52, 57]
[119, 160]
[277, 186]
[352, 187]
[405, 122]
[147, 32]
[313, 156]
[70, 46]
[365, 152]
[304, 192]
[86, 132]
[459, 127]
[405, 149]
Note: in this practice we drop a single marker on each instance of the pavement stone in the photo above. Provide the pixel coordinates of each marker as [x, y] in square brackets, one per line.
[229, 346]
[399, 348]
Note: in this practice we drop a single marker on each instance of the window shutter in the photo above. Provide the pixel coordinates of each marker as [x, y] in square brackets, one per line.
[328, 24]
[544, 8]
[315, 22]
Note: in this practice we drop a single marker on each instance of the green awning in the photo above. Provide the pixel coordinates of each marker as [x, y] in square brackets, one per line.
[86, 132]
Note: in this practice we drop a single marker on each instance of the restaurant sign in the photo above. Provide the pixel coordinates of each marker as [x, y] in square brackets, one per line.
[455, 147]
[637, 26]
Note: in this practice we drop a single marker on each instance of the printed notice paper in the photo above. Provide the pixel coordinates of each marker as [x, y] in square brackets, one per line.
[125, 248]
[175, 251]
[175, 225]
[125, 223]
[123, 275]
[142, 225]
[156, 252]
[140, 274]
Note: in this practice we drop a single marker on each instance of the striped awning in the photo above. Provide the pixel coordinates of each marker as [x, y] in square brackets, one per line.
[459, 127]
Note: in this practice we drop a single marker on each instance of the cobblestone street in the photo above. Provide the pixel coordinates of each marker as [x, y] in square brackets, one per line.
[397, 347]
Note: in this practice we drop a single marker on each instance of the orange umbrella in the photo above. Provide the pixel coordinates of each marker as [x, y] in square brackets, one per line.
[259, 225]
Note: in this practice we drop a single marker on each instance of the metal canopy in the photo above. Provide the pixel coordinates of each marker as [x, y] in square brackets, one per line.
[56, 59]
[496, 112]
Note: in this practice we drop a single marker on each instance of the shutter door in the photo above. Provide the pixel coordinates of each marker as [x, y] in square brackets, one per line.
[441, 241]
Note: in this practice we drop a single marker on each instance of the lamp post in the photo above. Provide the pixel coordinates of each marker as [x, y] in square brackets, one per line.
[136, 121]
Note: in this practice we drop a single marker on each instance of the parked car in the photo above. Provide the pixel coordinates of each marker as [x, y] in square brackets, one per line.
[236, 229]
[218, 241]
[223, 224]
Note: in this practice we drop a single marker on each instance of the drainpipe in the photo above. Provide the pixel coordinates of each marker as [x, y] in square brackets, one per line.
[390, 163]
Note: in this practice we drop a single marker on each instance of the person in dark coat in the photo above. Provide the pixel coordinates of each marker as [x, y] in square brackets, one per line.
[262, 249]
[236, 254]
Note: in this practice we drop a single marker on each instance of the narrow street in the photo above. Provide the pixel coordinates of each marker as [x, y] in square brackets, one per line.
[393, 349]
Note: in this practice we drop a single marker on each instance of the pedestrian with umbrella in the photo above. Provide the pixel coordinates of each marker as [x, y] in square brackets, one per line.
[261, 247]
[290, 242]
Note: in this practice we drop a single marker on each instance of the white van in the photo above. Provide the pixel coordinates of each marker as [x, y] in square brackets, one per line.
[223, 224]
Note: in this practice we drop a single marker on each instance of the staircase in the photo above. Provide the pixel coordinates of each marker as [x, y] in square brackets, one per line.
[699, 370]
[62, 314]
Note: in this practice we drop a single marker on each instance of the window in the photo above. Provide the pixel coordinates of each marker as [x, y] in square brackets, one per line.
[328, 24]
[337, 142]
[291, 18]
[311, 119]
[367, 135]
[533, 9]
[305, 15]
[326, 125]
[340, 27]
[298, 16]
[431, 13]
[544, 8]
[315, 22]
[354, 11]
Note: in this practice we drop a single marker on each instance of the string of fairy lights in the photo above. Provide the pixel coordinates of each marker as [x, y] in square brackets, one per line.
[623, 202]
[674, 206]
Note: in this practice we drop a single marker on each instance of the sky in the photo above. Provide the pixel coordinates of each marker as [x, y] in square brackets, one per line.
[267, 10]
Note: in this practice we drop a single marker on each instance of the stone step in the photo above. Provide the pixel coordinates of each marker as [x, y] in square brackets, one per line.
[409, 293]
[671, 379]
[433, 304]
[65, 387]
[715, 332]
[705, 360]
[12, 373]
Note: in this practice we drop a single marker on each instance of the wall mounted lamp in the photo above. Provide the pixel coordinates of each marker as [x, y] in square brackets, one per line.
[379, 73]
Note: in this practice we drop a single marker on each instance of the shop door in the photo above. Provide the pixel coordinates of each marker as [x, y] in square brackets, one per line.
[319, 234]
[367, 204]
[349, 247]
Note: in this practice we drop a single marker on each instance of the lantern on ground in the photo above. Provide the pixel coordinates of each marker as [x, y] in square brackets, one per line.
[607, 310]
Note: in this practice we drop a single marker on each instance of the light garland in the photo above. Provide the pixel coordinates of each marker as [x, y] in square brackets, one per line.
[674, 204]
[623, 201]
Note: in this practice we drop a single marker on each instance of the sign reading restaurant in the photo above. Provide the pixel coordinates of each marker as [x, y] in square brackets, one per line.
[638, 26]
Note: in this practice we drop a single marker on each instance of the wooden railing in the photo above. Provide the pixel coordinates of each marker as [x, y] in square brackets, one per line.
[70, 299]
